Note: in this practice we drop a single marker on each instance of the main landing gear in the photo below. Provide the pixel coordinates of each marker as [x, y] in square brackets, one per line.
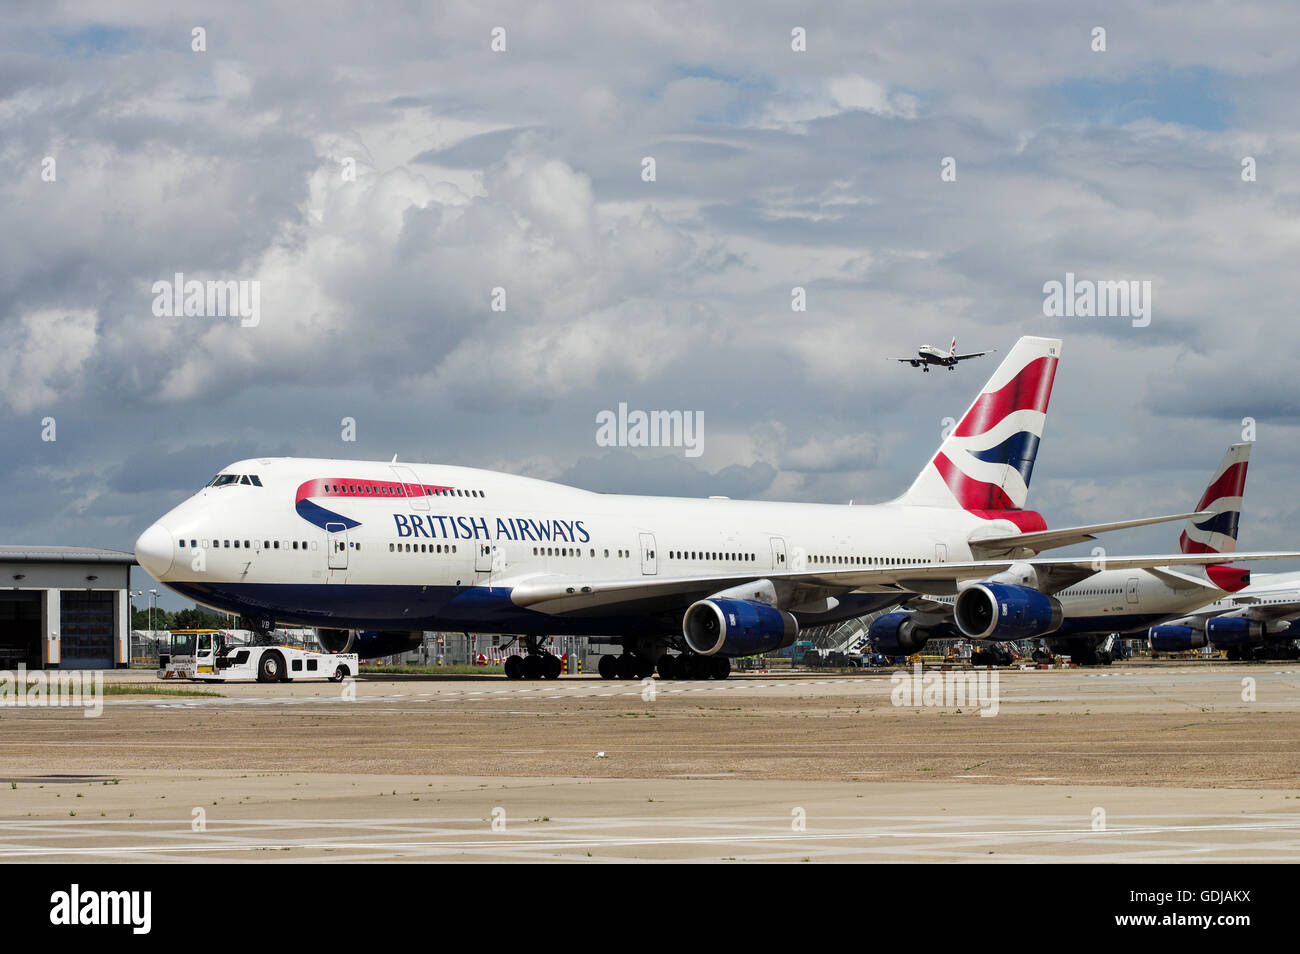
[536, 664]
[682, 666]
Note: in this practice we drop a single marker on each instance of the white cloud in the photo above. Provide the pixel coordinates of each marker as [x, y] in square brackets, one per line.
[45, 362]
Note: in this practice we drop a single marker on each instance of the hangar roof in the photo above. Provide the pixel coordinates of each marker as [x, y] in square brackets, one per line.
[22, 554]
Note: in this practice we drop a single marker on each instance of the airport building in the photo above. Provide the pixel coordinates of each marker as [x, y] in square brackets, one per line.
[64, 607]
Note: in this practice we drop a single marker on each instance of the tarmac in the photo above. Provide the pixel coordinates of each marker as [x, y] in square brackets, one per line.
[1145, 763]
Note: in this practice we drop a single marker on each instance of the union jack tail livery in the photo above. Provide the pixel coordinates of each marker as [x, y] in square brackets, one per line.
[1218, 532]
[985, 464]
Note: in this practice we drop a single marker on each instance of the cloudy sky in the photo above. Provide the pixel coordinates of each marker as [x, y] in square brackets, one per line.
[523, 170]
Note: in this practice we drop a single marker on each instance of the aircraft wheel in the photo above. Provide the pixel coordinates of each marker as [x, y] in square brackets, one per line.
[514, 667]
[553, 666]
[721, 667]
[608, 667]
[627, 666]
[533, 667]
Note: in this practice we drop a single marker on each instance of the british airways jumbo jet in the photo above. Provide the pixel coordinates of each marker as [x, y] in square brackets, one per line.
[373, 553]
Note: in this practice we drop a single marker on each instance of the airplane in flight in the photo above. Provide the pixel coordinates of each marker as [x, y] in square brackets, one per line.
[373, 553]
[1253, 623]
[1110, 601]
[927, 355]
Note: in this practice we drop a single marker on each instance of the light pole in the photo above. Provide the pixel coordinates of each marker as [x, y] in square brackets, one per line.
[153, 600]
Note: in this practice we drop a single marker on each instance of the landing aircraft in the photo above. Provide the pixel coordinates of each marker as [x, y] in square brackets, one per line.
[1109, 601]
[927, 355]
[373, 553]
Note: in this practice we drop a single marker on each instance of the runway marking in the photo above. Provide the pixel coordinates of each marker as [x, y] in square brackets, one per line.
[558, 835]
[1017, 687]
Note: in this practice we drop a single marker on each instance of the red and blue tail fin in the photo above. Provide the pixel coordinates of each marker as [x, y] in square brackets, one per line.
[985, 464]
[1217, 533]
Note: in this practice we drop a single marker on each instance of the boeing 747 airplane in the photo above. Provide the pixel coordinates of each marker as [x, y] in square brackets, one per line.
[373, 553]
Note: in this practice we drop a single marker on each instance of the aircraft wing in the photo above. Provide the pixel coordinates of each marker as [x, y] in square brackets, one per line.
[570, 596]
[973, 354]
[1251, 607]
[1067, 536]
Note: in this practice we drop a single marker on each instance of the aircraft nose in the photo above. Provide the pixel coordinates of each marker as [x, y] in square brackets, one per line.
[154, 552]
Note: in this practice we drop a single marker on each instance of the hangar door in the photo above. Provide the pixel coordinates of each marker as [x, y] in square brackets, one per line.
[86, 629]
[20, 629]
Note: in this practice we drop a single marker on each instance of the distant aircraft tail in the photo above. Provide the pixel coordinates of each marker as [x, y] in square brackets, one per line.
[952, 349]
[985, 464]
[1217, 533]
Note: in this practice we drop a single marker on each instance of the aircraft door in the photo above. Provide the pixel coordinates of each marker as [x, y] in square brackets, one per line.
[336, 540]
[1133, 591]
[483, 553]
[649, 559]
[412, 487]
[778, 554]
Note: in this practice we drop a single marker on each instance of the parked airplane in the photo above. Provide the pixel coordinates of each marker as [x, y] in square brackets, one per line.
[1112, 600]
[1253, 623]
[927, 355]
[353, 547]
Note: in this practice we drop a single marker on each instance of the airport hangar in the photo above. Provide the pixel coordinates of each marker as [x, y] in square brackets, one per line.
[65, 607]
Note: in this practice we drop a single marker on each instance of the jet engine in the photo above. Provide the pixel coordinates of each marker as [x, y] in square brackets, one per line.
[369, 643]
[1001, 611]
[896, 634]
[726, 627]
[1170, 638]
[1234, 631]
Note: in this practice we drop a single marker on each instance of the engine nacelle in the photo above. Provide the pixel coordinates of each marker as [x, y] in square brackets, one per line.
[1233, 631]
[725, 627]
[896, 634]
[369, 643]
[1003, 612]
[1174, 639]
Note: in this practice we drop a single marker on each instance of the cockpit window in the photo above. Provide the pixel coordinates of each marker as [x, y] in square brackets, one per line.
[222, 480]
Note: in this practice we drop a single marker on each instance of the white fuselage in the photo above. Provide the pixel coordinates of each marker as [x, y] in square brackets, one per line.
[409, 538]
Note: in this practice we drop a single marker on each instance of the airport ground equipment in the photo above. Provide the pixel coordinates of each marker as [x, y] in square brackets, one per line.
[217, 659]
